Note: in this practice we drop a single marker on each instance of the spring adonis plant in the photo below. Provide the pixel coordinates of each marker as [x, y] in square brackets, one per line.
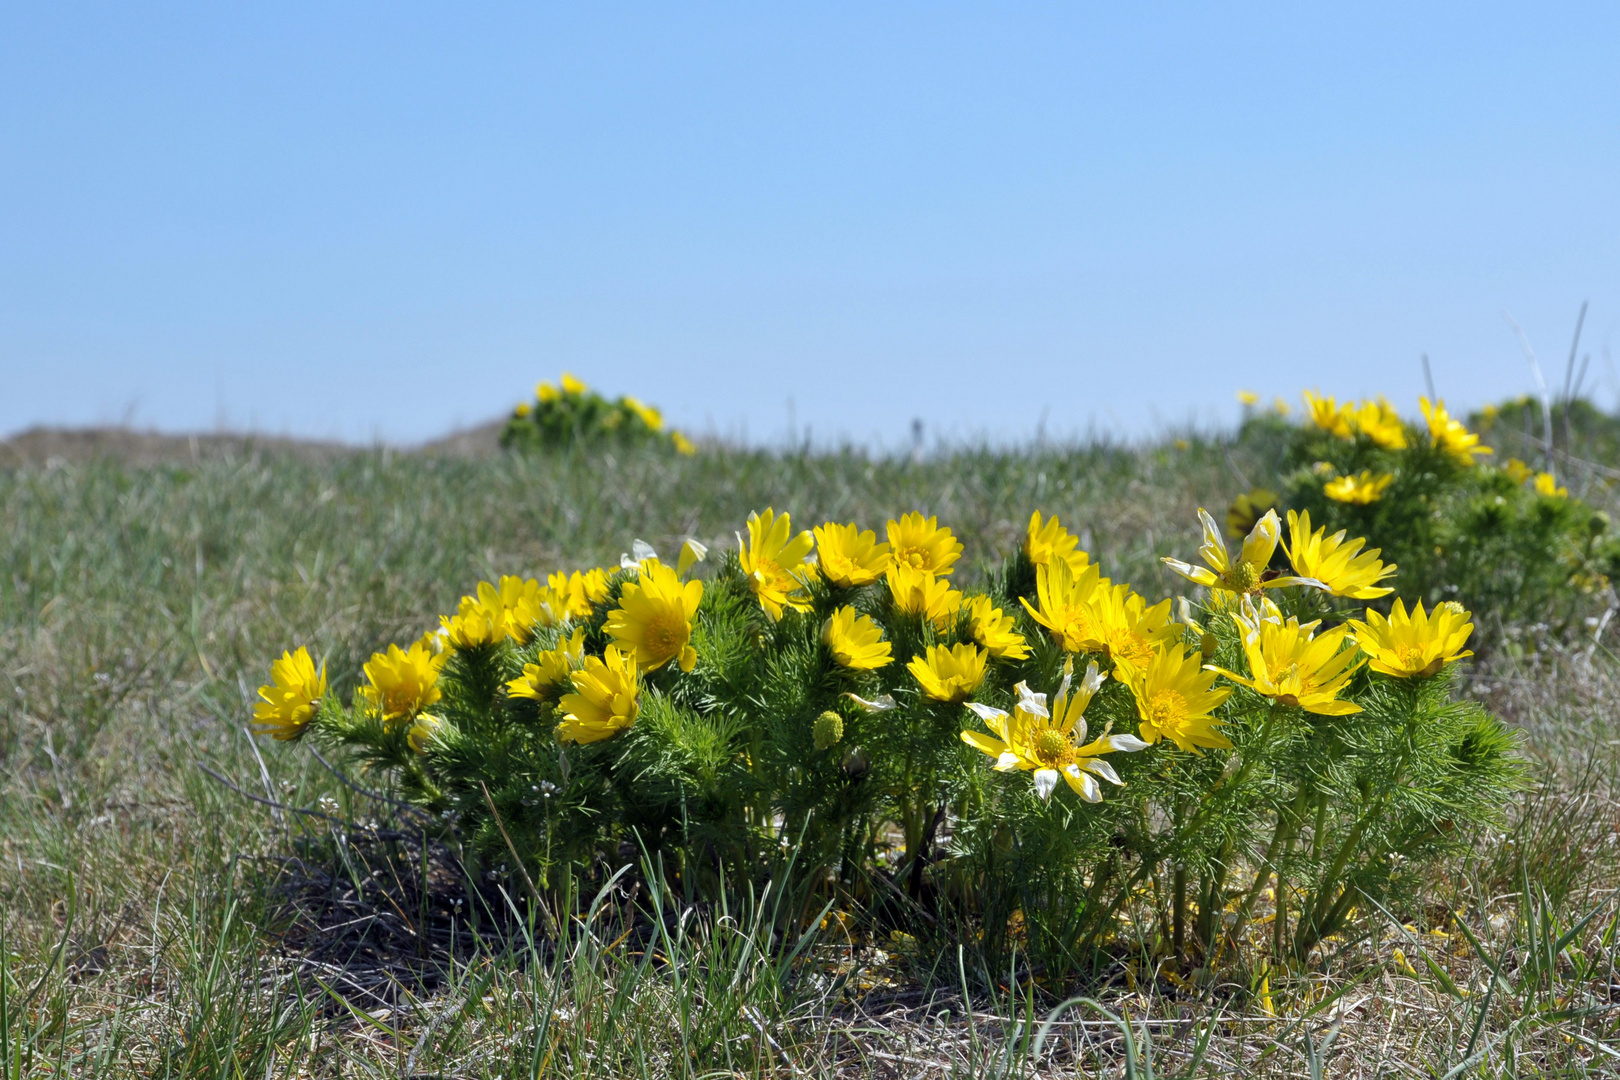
[568, 412]
[1052, 762]
[1429, 496]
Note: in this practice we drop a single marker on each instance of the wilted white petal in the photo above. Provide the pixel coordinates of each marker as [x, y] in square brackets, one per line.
[1031, 702]
[881, 703]
[1104, 770]
[1232, 764]
[1093, 679]
[1007, 761]
[1090, 790]
[1184, 613]
[1198, 575]
[642, 550]
[627, 562]
[1045, 781]
[986, 712]
[1128, 743]
[691, 552]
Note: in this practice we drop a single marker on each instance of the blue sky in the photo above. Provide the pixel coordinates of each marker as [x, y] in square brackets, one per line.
[381, 221]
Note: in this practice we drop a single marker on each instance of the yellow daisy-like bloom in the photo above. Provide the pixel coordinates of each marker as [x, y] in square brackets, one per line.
[474, 625]
[290, 698]
[605, 701]
[1450, 435]
[1362, 488]
[1248, 397]
[522, 409]
[1340, 565]
[1405, 644]
[653, 621]
[950, 673]
[1327, 414]
[422, 730]
[918, 592]
[923, 544]
[856, 641]
[402, 682]
[511, 609]
[993, 629]
[1291, 667]
[1547, 484]
[1245, 574]
[1175, 697]
[547, 393]
[1063, 605]
[549, 673]
[572, 385]
[576, 593]
[848, 556]
[1049, 540]
[682, 444]
[1246, 509]
[1051, 741]
[1379, 421]
[1131, 632]
[773, 559]
[649, 415]
[1517, 470]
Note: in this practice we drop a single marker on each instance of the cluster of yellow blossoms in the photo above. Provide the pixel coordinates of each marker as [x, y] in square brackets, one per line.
[1114, 630]
[570, 391]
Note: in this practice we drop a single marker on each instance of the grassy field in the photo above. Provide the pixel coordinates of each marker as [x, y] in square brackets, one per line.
[155, 922]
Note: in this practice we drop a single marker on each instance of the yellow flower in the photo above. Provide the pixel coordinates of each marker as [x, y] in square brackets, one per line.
[1130, 631]
[855, 640]
[547, 393]
[522, 409]
[993, 629]
[1547, 484]
[542, 679]
[649, 415]
[1450, 435]
[1405, 644]
[572, 385]
[1247, 573]
[653, 621]
[1050, 540]
[1327, 414]
[1379, 421]
[918, 592]
[682, 444]
[605, 701]
[949, 673]
[1245, 511]
[1340, 565]
[402, 682]
[773, 560]
[422, 730]
[923, 544]
[1064, 605]
[1363, 488]
[1517, 470]
[1051, 741]
[576, 593]
[849, 556]
[1290, 666]
[291, 697]
[1175, 697]
[511, 609]
[473, 626]
[1282, 407]
[1248, 397]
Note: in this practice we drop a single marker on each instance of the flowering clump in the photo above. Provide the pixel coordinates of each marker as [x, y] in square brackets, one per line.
[1439, 520]
[568, 412]
[859, 720]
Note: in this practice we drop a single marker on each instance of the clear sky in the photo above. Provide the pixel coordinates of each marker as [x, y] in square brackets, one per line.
[381, 221]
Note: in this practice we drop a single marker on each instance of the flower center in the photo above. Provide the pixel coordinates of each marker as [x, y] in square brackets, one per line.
[1166, 709]
[1050, 745]
[1410, 657]
[916, 558]
[665, 634]
[1246, 576]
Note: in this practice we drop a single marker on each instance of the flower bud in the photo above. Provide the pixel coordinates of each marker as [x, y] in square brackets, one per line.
[827, 730]
[857, 764]
[1207, 644]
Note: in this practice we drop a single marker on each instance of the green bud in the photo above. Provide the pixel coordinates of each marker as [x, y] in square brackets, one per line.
[1206, 645]
[828, 729]
[1598, 523]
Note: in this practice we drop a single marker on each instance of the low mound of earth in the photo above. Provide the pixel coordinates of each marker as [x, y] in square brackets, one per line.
[58, 445]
